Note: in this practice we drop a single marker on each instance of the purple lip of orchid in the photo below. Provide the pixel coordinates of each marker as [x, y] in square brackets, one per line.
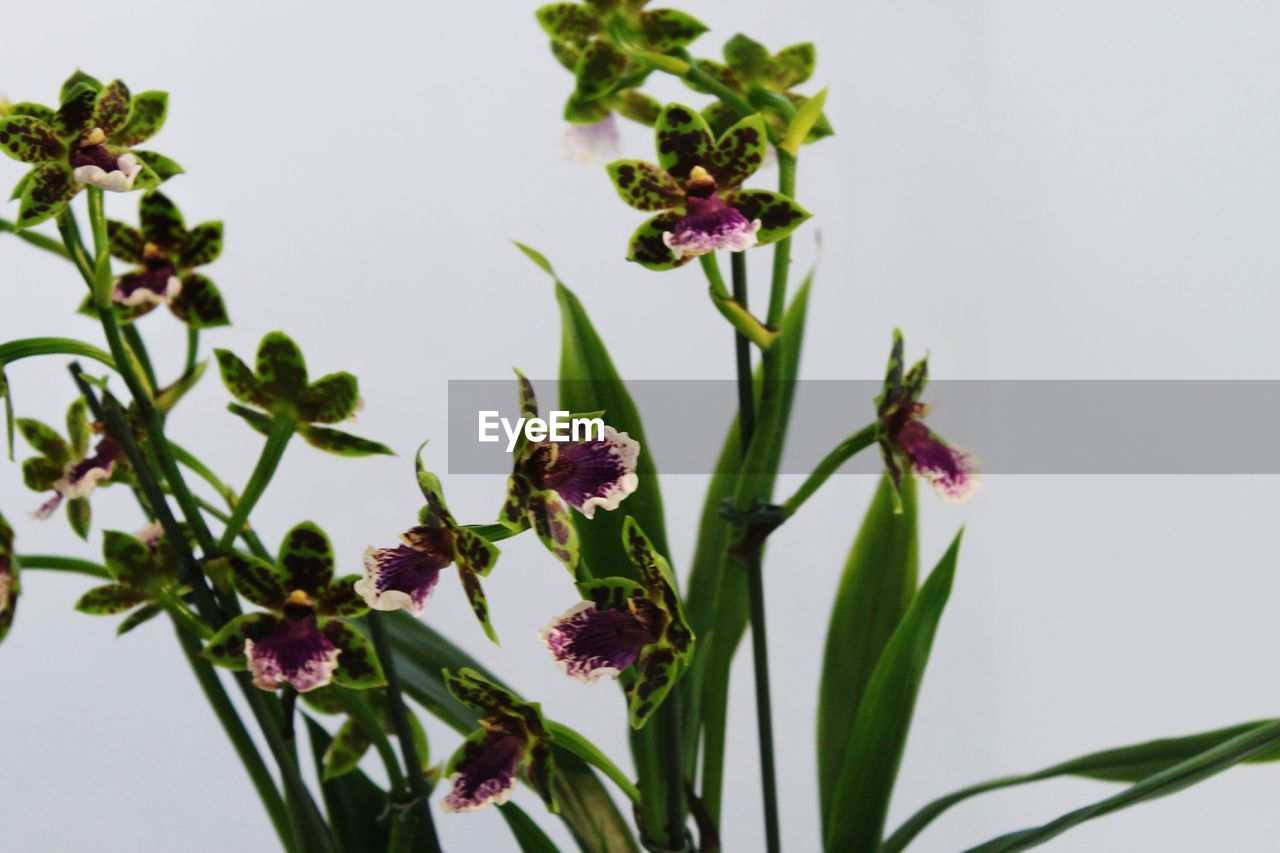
[591, 643]
[81, 478]
[295, 651]
[94, 164]
[405, 575]
[951, 471]
[489, 775]
[709, 224]
[156, 283]
[588, 474]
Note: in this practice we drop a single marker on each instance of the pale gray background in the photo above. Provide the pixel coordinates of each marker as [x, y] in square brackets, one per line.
[1031, 189]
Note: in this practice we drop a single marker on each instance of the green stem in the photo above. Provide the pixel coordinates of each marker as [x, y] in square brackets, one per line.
[185, 619]
[733, 309]
[359, 709]
[590, 753]
[843, 452]
[193, 350]
[188, 460]
[282, 429]
[27, 347]
[139, 349]
[52, 563]
[404, 733]
[35, 239]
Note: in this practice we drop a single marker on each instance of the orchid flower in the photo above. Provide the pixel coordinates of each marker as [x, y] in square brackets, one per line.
[68, 467]
[10, 588]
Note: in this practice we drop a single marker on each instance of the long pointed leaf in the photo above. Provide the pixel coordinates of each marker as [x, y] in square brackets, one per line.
[528, 834]
[352, 801]
[861, 800]
[875, 591]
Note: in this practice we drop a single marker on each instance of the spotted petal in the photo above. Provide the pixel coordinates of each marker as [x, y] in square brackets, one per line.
[739, 152]
[666, 29]
[199, 303]
[306, 558]
[474, 591]
[9, 586]
[129, 560]
[29, 140]
[590, 642]
[568, 22]
[748, 58]
[44, 440]
[592, 474]
[684, 140]
[281, 369]
[792, 66]
[161, 221]
[599, 71]
[203, 245]
[778, 215]
[550, 519]
[343, 443]
[45, 193]
[293, 652]
[227, 647]
[330, 399]
[146, 117]
[648, 248]
[644, 186]
[358, 666]
[240, 380]
[111, 108]
[399, 577]
[109, 599]
[257, 580]
[482, 695]
[126, 241]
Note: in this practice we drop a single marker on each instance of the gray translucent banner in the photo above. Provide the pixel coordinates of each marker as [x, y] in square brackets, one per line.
[1014, 426]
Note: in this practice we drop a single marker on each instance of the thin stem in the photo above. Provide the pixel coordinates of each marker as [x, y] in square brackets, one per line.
[755, 589]
[38, 240]
[139, 349]
[272, 452]
[193, 350]
[188, 460]
[184, 618]
[842, 453]
[52, 563]
[404, 733]
[732, 309]
[363, 715]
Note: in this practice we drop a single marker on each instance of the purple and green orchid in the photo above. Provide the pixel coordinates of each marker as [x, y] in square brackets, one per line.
[765, 80]
[625, 624]
[278, 387]
[10, 587]
[512, 741]
[144, 578]
[404, 575]
[696, 187]
[68, 467]
[597, 42]
[301, 641]
[551, 476]
[167, 255]
[907, 443]
[88, 141]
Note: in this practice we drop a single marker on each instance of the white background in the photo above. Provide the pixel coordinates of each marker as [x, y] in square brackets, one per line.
[1031, 189]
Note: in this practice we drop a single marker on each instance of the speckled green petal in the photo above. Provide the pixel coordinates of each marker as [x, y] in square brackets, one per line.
[29, 140]
[610, 593]
[239, 379]
[226, 648]
[748, 58]
[578, 111]
[126, 241]
[647, 248]
[778, 215]
[343, 443]
[306, 559]
[568, 22]
[257, 581]
[162, 168]
[78, 428]
[644, 186]
[482, 695]
[129, 560]
[473, 552]
[80, 517]
[599, 71]
[684, 140]
[111, 108]
[161, 221]
[358, 666]
[137, 618]
[721, 72]
[792, 65]
[739, 152]
[514, 513]
[40, 111]
[45, 193]
[666, 29]
[39, 473]
[637, 106]
[330, 399]
[78, 79]
[202, 246]
[45, 440]
[476, 599]
[549, 517]
[280, 367]
[75, 115]
[110, 599]
[146, 117]
[340, 598]
[348, 746]
[199, 304]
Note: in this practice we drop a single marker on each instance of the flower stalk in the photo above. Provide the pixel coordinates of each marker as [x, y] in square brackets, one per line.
[282, 429]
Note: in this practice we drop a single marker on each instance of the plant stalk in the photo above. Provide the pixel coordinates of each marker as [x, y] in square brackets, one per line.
[282, 428]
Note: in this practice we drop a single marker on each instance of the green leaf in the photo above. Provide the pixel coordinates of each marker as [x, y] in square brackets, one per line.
[644, 186]
[306, 559]
[568, 22]
[821, 128]
[199, 304]
[344, 752]
[109, 599]
[739, 152]
[806, 118]
[45, 440]
[29, 140]
[111, 108]
[342, 443]
[239, 379]
[748, 58]
[161, 169]
[792, 65]
[257, 581]
[226, 647]
[330, 399]
[161, 221]
[528, 835]
[353, 802]
[203, 245]
[778, 215]
[142, 615]
[684, 140]
[667, 29]
[875, 591]
[599, 71]
[861, 800]
[1123, 764]
[146, 117]
[358, 665]
[6, 393]
[45, 193]
[647, 248]
[129, 560]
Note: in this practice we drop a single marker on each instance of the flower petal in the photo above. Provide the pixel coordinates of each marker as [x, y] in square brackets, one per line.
[29, 140]
[739, 152]
[399, 577]
[951, 471]
[83, 477]
[307, 559]
[589, 643]
[724, 229]
[644, 186]
[684, 140]
[299, 655]
[119, 179]
[778, 215]
[483, 771]
[648, 246]
[591, 474]
[148, 287]
[45, 191]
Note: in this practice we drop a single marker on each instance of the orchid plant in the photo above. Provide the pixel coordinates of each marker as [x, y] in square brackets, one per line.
[350, 635]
